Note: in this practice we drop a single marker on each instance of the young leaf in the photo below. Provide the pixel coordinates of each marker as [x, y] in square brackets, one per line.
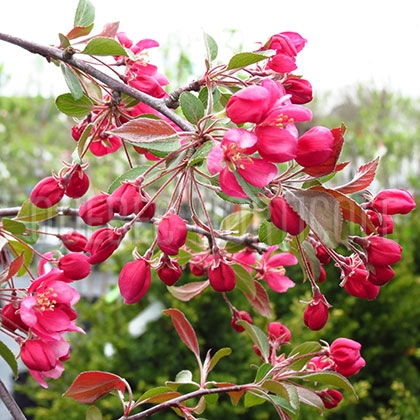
[350, 209]
[79, 31]
[234, 396]
[184, 376]
[260, 301]
[85, 13]
[104, 46]
[258, 337]
[9, 358]
[75, 108]
[211, 47]
[13, 226]
[184, 329]
[309, 397]
[82, 141]
[31, 213]
[64, 41]
[18, 249]
[262, 371]
[247, 58]
[320, 211]
[203, 95]
[72, 82]
[270, 234]
[162, 397]
[195, 242]
[363, 178]
[159, 148]
[93, 413]
[234, 200]
[237, 222]
[277, 388]
[90, 386]
[145, 130]
[244, 280]
[226, 351]
[192, 107]
[251, 400]
[301, 350]
[154, 392]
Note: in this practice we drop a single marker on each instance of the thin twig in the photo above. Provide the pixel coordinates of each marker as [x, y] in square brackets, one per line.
[10, 403]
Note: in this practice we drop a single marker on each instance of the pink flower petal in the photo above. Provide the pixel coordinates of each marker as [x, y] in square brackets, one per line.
[230, 185]
[27, 313]
[214, 160]
[146, 44]
[283, 259]
[257, 172]
[278, 283]
[276, 144]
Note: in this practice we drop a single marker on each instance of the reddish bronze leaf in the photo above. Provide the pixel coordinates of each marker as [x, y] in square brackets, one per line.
[90, 386]
[184, 329]
[260, 301]
[79, 31]
[235, 396]
[166, 396]
[15, 266]
[145, 130]
[109, 30]
[363, 178]
[350, 209]
[188, 291]
[330, 165]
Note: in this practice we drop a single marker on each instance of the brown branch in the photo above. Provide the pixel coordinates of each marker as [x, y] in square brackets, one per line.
[173, 98]
[176, 401]
[247, 239]
[10, 403]
[117, 85]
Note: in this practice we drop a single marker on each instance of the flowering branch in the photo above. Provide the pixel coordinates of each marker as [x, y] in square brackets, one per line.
[63, 55]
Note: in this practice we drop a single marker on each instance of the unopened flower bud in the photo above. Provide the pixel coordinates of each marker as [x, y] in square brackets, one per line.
[74, 265]
[314, 147]
[285, 218]
[134, 280]
[322, 254]
[78, 184]
[172, 234]
[126, 200]
[316, 313]
[322, 275]
[102, 244]
[47, 192]
[96, 211]
[278, 334]
[10, 318]
[37, 355]
[221, 275]
[380, 251]
[394, 201]
[357, 284]
[383, 223]
[168, 270]
[74, 241]
[300, 89]
[240, 316]
[330, 397]
[346, 355]
[380, 274]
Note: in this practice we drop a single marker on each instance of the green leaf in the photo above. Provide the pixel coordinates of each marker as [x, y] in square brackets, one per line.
[154, 392]
[195, 242]
[201, 153]
[270, 234]
[183, 257]
[64, 41]
[28, 236]
[237, 222]
[82, 141]
[131, 174]
[159, 146]
[93, 413]
[320, 211]
[188, 291]
[277, 388]
[262, 371]
[234, 200]
[309, 397]
[283, 403]
[330, 378]
[204, 96]
[247, 58]
[85, 13]
[75, 108]
[257, 336]
[302, 349]
[313, 260]
[244, 280]
[226, 351]
[130, 54]
[13, 226]
[192, 107]
[72, 82]
[211, 399]
[9, 357]
[211, 47]
[19, 248]
[104, 46]
[251, 191]
[251, 400]
[31, 213]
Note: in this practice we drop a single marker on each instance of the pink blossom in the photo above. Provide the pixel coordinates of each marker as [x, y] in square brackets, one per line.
[231, 156]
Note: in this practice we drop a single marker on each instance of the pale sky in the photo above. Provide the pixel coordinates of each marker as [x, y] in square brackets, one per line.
[371, 41]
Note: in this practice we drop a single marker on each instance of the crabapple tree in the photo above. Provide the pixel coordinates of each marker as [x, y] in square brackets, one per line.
[233, 132]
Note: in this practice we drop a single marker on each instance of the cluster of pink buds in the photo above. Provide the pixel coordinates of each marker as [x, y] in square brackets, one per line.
[71, 181]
